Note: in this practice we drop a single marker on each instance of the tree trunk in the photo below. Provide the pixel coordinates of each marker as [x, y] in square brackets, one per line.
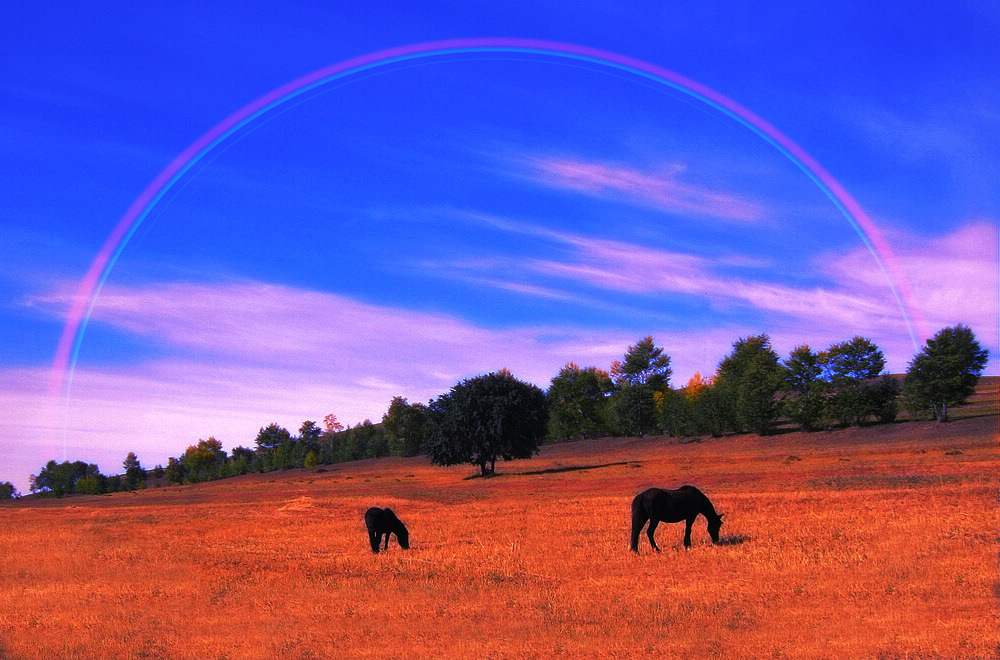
[942, 412]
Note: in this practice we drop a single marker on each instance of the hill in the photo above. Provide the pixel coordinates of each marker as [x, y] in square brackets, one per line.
[861, 542]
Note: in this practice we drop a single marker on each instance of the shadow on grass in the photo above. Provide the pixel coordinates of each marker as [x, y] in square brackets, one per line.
[733, 539]
[555, 470]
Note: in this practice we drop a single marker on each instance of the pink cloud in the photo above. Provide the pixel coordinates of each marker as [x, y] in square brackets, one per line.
[954, 278]
[661, 190]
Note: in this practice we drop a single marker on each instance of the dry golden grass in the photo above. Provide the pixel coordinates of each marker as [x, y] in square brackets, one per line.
[859, 543]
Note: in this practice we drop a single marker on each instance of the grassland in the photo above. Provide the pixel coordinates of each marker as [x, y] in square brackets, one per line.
[879, 542]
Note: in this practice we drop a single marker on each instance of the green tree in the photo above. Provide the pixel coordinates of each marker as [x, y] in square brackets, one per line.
[485, 418]
[309, 433]
[944, 372]
[577, 399]
[174, 472]
[748, 380]
[272, 437]
[8, 491]
[852, 367]
[203, 461]
[60, 479]
[645, 363]
[634, 409]
[135, 475]
[711, 412]
[91, 484]
[241, 461]
[404, 424]
[806, 392]
[644, 370]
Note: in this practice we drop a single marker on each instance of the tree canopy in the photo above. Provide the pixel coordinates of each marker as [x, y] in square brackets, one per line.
[577, 401]
[484, 418]
[945, 371]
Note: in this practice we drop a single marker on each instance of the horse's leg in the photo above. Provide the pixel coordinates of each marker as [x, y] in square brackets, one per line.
[687, 531]
[653, 522]
[374, 540]
[387, 535]
[638, 520]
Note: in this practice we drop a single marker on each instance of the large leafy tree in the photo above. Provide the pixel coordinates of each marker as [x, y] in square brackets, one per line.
[62, 478]
[945, 371]
[748, 380]
[644, 363]
[577, 399]
[271, 437]
[485, 418]
[644, 370]
[404, 426]
[852, 367]
[203, 461]
[805, 390]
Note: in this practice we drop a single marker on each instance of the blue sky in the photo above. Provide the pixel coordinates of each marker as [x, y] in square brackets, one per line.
[425, 221]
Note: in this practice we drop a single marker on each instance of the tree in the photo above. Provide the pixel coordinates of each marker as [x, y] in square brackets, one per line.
[944, 372]
[404, 424]
[644, 364]
[134, 474]
[806, 393]
[485, 418]
[8, 491]
[174, 471]
[851, 368]
[204, 461]
[271, 437]
[577, 399]
[60, 479]
[644, 370]
[310, 433]
[331, 425]
[748, 381]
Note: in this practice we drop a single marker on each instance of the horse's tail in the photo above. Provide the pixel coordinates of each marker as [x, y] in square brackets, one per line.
[639, 518]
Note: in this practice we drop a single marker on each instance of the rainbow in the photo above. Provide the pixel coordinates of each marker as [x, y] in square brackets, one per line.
[89, 288]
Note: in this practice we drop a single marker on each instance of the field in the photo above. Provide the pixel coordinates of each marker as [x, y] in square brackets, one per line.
[878, 542]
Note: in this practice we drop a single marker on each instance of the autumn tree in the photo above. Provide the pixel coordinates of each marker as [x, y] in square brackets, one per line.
[485, 418]
[944, 372]
[331, 425]
[676, 408]
[577, 400]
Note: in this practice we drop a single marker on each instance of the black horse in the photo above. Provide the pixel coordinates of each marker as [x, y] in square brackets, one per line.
[384, 521]
[658, 505]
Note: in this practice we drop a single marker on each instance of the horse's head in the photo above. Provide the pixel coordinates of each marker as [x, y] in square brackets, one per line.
[713, 527]
[403, 536]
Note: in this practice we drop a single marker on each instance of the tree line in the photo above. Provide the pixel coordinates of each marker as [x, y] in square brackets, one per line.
[493, 416]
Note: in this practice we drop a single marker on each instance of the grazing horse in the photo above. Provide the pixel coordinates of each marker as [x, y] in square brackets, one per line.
[658, 505]
[384, 521]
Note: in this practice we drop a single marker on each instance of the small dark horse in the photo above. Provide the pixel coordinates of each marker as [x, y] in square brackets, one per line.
[384, 521]
[658, 505]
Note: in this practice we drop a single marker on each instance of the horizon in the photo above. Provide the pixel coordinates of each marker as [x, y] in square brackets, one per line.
[420, 222]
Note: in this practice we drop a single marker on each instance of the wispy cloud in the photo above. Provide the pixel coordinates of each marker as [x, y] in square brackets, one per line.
[725, 281]
[954, 278]
[665, 189]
